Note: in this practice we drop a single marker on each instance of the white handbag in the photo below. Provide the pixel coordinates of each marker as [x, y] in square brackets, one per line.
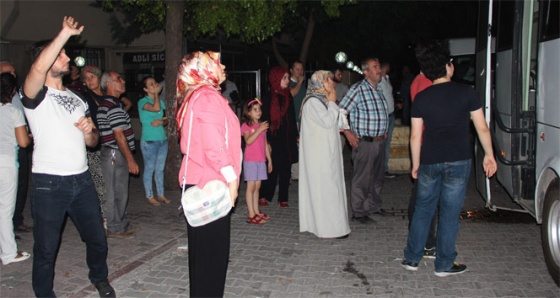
[212, 202]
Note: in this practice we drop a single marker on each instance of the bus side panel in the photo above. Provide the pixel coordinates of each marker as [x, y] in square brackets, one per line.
[548, 110]
[548, 119]
[502, 96]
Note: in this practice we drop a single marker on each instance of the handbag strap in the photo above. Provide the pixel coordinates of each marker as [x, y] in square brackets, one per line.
[187, 154]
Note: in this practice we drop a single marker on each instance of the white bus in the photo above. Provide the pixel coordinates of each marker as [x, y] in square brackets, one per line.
[520, 89]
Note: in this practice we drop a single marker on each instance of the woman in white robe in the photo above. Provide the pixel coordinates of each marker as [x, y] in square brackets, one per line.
[323, 207]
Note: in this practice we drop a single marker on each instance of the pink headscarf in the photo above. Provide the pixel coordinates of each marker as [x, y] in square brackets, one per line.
[197, 69]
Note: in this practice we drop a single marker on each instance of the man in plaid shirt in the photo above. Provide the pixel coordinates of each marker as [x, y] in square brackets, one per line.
[368, 118]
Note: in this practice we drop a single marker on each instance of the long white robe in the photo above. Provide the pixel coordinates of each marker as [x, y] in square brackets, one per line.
[323, 208]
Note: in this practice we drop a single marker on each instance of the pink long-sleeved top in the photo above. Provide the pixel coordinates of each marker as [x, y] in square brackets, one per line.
[210, 158]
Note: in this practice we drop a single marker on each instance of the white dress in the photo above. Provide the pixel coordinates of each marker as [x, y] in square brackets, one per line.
[323, 207]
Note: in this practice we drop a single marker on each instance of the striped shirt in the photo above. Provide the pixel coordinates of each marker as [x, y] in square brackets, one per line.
[110, 116]
[367, 110]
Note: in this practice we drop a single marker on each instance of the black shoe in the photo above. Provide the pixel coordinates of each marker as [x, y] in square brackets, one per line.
[410, 266]
[429, 253]
[105, 289]
[381, 212]
[343, 237]
[23, 228]
[132, 229]
[455, 269]
[390, 175]
[363, 219]
[122, 235]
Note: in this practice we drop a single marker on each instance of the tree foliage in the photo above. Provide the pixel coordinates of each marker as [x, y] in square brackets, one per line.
[252, 21]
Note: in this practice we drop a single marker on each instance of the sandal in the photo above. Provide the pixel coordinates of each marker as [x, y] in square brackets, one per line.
[163, 200]
[263, 216]
[255, 220]
[21, 256]
[153, 202]
[263, 202]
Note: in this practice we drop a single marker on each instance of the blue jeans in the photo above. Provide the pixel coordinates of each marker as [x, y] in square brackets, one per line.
[448, 181]
[52, 198]
[155, 154]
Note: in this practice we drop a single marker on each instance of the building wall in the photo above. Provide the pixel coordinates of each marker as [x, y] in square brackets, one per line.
[25, 22]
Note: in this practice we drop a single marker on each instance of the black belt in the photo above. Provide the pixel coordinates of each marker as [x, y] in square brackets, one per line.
[371, 139]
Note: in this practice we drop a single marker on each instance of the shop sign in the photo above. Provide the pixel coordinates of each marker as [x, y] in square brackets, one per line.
[144, 57]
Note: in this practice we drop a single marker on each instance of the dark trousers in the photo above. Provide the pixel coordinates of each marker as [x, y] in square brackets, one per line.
[24, 160]
[368, 173]
[431, 241]
[280, 175]
[209, 257]
[52, 198]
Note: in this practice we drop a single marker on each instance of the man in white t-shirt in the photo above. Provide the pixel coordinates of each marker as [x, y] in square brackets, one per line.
[62, 128]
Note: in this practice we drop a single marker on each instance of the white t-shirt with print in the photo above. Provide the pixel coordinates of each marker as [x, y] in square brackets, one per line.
[60, 147]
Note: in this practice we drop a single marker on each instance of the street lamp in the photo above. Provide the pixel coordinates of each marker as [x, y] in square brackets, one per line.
[340, 57]
[80, 61]
[357, 69]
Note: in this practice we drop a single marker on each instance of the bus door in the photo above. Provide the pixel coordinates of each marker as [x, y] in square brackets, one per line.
[483, 53]
[513, 109]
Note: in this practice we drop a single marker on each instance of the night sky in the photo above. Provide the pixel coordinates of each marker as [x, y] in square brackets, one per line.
[389, 29]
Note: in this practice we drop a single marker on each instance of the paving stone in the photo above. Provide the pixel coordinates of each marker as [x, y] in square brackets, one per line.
[276, 260]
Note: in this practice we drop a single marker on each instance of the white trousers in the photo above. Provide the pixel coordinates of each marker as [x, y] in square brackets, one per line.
[8, 190]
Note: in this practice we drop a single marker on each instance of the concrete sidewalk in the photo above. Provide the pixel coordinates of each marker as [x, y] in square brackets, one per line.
[276, 260]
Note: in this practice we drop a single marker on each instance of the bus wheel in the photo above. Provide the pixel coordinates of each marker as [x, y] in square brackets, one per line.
[551, 230]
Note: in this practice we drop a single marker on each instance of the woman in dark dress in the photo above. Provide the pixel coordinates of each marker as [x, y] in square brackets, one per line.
[282, 136]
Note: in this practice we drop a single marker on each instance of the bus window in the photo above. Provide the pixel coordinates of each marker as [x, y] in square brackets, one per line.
[505, 25]
[550, 14]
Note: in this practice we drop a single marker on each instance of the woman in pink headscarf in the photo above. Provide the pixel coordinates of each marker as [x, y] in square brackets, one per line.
[214, 154]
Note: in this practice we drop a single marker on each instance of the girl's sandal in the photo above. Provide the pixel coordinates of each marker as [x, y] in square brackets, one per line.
[255, 220]
[263, 216]
[164, 200]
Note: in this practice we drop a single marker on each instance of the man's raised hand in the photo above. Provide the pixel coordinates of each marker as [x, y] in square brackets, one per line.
[71, 26]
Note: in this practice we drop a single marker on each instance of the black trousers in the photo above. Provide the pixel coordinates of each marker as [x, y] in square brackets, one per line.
[209, 257]
[280, 175]
[24, 160]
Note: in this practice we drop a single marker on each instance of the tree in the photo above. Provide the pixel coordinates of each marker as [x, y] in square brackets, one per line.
[251, 21]
[306, 16]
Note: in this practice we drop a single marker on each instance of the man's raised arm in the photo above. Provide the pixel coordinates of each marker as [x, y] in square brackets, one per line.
[38, 73]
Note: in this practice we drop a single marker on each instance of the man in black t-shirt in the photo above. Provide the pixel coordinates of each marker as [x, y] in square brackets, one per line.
[441, 158]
